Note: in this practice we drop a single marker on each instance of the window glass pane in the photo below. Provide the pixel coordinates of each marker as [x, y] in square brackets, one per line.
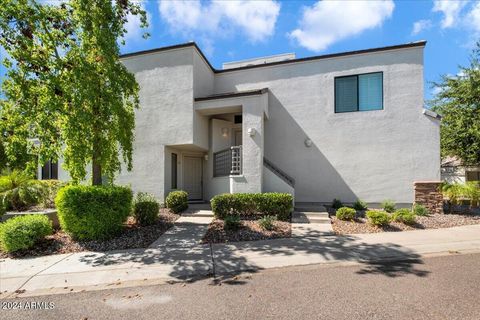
[53, 170]
[370, 96]
[174, 171]
[346, 94]
[46, 171]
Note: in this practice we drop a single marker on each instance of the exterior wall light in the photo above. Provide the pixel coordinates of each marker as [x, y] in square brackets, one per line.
[251, 132]
[225, 132]
[308, 142]
[206, 157]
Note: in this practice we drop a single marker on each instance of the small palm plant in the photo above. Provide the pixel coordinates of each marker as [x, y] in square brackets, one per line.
[472, 191]
[18, 191]
[453, 191]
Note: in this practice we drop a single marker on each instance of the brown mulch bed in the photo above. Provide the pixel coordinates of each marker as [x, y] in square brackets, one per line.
[436, 221]
[248, 231]
[133, 236]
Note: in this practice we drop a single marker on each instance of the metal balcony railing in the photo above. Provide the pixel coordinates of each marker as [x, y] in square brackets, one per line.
[227, 162]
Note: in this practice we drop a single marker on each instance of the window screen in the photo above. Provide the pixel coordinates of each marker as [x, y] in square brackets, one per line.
[362, 92]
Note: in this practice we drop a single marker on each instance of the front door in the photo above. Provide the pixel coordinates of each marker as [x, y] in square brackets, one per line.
[192, 177]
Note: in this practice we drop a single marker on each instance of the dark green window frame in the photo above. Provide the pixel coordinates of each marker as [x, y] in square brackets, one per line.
[358, 92]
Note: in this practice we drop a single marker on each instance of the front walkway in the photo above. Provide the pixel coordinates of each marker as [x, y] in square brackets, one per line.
[178, 255]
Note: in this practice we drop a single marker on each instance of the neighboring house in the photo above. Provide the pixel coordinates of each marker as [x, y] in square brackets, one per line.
[453, 170]
[348, 125]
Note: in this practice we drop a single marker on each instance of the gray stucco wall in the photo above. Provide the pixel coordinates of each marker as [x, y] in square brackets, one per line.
[165, 116]
[371, 155]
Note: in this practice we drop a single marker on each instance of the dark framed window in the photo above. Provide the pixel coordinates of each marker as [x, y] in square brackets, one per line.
[472, 176]
[174, 171]
[237, 118]
[362, 92]
[50, 170]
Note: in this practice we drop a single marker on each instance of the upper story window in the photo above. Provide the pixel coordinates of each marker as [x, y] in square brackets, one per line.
[361, 92]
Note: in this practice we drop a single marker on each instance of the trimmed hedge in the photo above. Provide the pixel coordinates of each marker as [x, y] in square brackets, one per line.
[23, 232]
[345, 213]
[378, 218]
[145, 209]
[177, 201]
[93, 212]
[251, 204]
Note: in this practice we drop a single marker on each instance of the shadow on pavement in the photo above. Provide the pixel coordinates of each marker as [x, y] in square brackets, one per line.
[188, 260]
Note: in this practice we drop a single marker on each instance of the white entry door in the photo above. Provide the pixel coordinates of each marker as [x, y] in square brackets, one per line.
[192, 177]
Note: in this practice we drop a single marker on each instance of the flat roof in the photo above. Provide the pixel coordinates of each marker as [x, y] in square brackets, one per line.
[311, 58]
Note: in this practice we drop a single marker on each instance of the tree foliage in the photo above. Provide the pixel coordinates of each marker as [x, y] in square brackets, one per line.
[66, 86]
[458, 101]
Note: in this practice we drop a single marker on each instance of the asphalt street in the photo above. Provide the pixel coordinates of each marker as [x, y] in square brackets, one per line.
[442, 287]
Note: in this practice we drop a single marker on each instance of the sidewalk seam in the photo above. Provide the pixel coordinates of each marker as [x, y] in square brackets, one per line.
[34, 275]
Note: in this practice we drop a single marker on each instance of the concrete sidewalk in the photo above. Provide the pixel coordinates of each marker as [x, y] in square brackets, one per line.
[178, 255]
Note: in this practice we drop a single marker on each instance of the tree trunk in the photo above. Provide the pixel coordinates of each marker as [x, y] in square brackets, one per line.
[96, 167]
[96, 174]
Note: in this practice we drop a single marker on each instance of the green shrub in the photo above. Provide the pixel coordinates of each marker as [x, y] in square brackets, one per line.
[250, 204]
[267, 222]
[378, 218]
[23, 232]
[145, 209]
[360, 205]
[18, 191]
[345, 213]
[49, 189]
[177, 201]
[231, 222]
[337, 204]
[388, 206]
[405, 216]
[420, 210]
[93, 212]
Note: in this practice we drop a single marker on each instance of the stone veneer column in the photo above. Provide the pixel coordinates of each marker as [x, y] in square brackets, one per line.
[428, 194]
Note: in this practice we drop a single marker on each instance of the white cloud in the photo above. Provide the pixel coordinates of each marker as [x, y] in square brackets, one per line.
[328, 22]
[421, 25]
[133, 25]
[254, 18]
[474, 18]
[451, 11]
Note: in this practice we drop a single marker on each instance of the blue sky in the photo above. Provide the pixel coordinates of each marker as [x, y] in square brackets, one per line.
[235, 30]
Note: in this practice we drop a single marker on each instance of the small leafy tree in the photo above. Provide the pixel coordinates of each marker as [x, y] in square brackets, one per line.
[458, 101]
[66, 86]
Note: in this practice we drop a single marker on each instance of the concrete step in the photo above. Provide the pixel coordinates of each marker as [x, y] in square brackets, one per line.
[310, 208]
[197, 213]
[310, 217]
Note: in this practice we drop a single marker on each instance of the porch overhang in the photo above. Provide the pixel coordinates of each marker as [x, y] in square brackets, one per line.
[232, 102]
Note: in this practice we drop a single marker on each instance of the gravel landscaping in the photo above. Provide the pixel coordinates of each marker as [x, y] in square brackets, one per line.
[361, 225]
[248, 231]
[133, 236]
